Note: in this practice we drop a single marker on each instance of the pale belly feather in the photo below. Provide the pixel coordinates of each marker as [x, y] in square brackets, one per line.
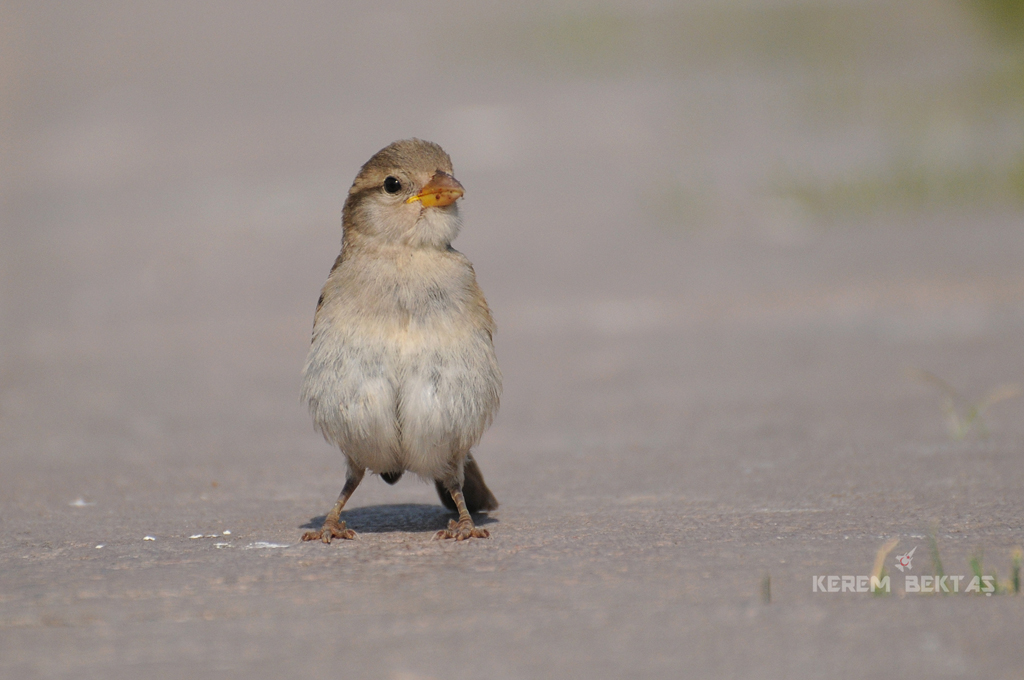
[417, 399]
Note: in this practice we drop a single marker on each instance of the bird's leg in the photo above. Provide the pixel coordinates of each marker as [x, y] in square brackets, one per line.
[464, 528]
[332, 528]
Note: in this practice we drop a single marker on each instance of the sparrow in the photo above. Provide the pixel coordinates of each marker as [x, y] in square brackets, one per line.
[401, 373]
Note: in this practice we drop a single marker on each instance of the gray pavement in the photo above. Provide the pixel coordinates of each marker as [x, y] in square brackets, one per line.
[713, 275]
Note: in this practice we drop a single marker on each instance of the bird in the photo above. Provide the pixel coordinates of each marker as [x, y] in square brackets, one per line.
[401, 373]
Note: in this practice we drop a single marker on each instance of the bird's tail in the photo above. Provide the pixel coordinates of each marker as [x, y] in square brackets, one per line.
[474, 490]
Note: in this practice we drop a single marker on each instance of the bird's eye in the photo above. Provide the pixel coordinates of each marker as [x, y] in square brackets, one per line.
[392, 185]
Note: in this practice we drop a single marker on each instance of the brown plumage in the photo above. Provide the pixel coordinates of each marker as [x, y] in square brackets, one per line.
[401, 373]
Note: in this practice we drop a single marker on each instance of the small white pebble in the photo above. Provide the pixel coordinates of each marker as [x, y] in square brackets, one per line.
[211, 535]
[221, 545]
[227, 533]
[196, 536]
[99, 546]
[148, 538]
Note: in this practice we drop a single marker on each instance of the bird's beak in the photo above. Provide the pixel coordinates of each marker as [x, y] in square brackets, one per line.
[441, 190]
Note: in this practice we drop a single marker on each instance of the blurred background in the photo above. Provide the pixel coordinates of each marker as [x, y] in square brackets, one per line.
[752, 264]
[173, 175]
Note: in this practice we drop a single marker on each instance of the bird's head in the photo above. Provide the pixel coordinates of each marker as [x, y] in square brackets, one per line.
[406, 195]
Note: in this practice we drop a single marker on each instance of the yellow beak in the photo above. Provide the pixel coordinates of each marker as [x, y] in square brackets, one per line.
[441, 190]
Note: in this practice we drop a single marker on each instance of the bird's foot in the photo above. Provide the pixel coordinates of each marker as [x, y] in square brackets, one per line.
[462, 530]
[331, 529]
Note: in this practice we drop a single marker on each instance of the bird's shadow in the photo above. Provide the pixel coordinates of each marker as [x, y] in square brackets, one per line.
[411, 517]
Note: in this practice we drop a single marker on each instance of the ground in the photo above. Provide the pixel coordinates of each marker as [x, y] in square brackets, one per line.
[713, 395]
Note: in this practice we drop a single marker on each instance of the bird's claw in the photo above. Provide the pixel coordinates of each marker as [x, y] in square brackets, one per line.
[330, 529]
[461, 530]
